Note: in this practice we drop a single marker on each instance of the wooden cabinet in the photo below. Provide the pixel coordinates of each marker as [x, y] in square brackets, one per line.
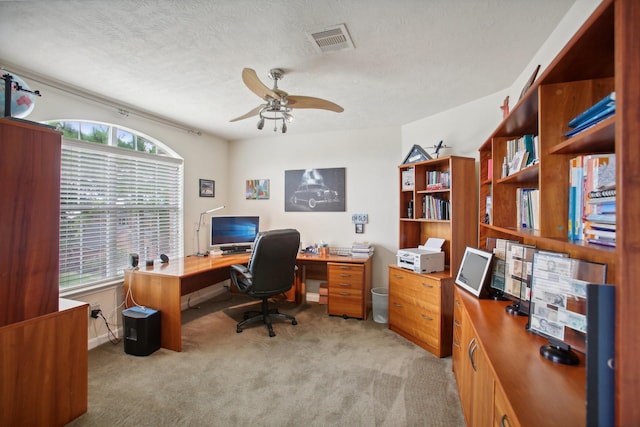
[437, 200]
[349, 289]
[421, 308]
[29, 220]
[502, 379]
[43, 366]
[43, 339]
[600, 58]
[475, 380]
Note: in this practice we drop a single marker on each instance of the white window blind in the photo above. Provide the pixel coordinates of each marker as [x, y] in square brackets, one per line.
[115, 202]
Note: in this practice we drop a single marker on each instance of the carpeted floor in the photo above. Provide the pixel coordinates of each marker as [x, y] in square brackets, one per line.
[325, 371]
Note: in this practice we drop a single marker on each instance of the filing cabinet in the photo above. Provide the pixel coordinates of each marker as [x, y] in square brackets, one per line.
[421, 308]
[349, 289]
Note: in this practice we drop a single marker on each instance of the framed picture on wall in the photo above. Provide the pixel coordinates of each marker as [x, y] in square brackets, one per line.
[257, 189]
[207, 188]
[314, 190]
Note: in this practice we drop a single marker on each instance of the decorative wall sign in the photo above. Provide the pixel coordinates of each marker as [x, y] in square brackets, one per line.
[314, 190]
[257, 189]
[207, 188]
[416, 154]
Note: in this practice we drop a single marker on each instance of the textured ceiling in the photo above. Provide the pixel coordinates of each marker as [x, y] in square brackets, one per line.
[183, 59]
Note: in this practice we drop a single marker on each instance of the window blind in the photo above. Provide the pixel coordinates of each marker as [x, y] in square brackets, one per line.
[115, 202]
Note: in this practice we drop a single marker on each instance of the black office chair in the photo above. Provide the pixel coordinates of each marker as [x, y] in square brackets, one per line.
[270, 272]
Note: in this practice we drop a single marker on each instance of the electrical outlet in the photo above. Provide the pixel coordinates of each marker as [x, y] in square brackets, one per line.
[94, 309]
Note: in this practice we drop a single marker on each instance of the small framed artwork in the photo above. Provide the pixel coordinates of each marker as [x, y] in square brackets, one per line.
[416, 154]
[529, 82]
[207, 188]
[257, 189]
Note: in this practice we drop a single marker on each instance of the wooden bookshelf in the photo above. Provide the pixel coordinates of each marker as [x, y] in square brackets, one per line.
[601, 57]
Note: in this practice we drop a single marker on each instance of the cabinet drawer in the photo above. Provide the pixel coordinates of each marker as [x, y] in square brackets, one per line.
[414, 319]
[345, 276]
[415, 284]
[345, 303]
[421, 324]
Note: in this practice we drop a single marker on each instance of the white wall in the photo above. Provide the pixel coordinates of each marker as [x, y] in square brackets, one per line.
[370, 157]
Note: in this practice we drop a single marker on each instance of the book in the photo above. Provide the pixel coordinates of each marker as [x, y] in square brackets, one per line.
[595, 109]
[576, 197]
[528, 147]
[603, 218]
[602, 241]
[606, 113]
[407, 179]
[602, 193]
[591, 232]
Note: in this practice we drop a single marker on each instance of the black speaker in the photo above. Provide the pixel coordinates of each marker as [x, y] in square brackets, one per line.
[141, 330]
[600, 355]
[133, 260]
[164, 258]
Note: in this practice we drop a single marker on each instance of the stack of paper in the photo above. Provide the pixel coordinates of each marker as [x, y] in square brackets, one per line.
[361, 250]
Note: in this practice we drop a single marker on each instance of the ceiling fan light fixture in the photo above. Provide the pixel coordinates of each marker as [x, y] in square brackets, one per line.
[284, 127]
[288, 117]
[261, 123]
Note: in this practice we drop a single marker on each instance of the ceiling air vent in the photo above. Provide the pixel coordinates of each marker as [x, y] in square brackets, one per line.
[332, 39]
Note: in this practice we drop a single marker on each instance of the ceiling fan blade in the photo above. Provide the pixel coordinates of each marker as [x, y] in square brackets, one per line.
[251, 80]
[296, 101]
[251, 113]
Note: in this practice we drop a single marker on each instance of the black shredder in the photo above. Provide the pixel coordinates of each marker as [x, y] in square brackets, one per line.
[141, 330]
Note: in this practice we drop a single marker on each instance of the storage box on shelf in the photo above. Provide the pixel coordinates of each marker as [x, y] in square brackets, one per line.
[420, 305]
[601, 58]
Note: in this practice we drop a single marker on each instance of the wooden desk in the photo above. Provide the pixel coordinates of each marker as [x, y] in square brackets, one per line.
[161, 286]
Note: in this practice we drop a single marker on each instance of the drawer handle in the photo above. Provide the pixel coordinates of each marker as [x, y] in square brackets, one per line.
[456, 343]
[345, 275]
[456, 323]
[426, 285]
[457, 303]
[395, 304]
[425, 317]
[345, 294]
[344, 284]
[504, 421]
[397, 276]
[471, 350]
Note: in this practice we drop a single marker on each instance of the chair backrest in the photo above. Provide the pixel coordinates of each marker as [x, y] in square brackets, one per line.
[273, 261]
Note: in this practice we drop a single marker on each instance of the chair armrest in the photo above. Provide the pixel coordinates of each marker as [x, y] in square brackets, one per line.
[242, 269]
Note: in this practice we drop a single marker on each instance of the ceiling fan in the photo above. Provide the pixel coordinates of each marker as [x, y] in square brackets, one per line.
[278, 103]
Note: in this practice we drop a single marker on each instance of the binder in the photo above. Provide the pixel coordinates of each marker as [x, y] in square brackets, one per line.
[600, 355]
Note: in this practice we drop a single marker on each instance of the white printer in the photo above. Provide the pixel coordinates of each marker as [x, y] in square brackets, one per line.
[427, 258]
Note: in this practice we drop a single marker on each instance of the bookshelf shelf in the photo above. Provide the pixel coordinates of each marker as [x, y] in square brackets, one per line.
[598, 139]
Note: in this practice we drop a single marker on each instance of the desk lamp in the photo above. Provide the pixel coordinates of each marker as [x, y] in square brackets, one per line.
[198, 229]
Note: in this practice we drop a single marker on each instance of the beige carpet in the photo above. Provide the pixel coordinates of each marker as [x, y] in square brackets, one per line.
[325, 371]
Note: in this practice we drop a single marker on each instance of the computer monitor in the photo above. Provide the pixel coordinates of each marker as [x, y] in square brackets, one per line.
[234, 233]
[474, 270]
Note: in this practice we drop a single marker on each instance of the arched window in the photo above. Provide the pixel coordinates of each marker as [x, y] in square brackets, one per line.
[120, 193]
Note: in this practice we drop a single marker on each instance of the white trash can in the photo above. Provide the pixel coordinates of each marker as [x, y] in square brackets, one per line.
[380, 302]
